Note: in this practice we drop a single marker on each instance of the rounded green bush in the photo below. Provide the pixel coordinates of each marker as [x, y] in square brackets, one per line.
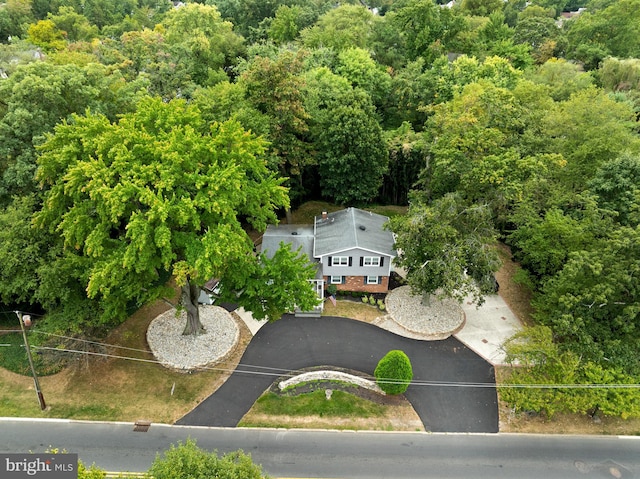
[393, 372]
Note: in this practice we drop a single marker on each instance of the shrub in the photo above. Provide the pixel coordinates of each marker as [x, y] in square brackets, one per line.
[364, 299]
[372, 300]
[393, 372]
[188, 460]
[332, 289]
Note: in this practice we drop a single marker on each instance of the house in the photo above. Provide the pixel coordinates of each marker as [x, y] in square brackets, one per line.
[354, 250]
[350, 248]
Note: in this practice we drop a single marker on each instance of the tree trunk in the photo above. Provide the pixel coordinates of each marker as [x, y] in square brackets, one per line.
[426, 299]
[289, 216]
[190, 294]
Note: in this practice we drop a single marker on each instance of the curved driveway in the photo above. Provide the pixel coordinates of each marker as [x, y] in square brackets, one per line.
[296, 343]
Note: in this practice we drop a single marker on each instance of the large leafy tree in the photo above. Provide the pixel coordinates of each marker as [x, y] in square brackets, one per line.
[542, 35]
[22, 250]
[475, 146]
[75, 27]
[347, 26]
[274, 88]
[14, 16]
[446, 247]
[563, 78]
[246, 15]
[545, 238]
[160, 190]
[202, 41]
[351, 151]
[353, 156]
[39, 95]
[589, 129]
[428, 30]
[357, 66]
[593, 304]
[617, 185]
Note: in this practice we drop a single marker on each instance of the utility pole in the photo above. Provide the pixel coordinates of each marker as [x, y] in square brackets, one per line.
[26, 321]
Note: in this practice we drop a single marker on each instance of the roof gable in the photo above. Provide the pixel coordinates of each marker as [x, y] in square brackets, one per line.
[352, 228]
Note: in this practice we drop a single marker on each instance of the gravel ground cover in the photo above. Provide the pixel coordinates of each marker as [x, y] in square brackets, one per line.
[177, 351]
[439, 320]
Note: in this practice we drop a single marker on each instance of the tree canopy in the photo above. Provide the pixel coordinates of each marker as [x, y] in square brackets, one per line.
[446, 248]
[158, 191]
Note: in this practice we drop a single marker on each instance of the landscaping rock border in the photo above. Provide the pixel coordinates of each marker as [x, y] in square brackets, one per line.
[186, 353]
[439, 320]
[330, 375]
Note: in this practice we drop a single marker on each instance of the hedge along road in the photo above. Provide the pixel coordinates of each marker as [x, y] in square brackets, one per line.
[296, 343]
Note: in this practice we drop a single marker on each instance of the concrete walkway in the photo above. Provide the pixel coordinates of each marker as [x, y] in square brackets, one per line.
[253, 324]
[488, 327]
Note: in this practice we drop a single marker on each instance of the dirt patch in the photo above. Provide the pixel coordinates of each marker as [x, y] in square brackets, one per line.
[399, 418]
[565, 424]
[353, 309]
[517, 296]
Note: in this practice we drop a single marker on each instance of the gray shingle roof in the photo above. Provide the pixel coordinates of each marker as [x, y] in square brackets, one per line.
[352, 228]
[295, 234]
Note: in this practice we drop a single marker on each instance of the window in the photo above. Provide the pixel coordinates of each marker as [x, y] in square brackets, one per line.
[372, 280]
[371, 261]
[336, 280]
[340, 261]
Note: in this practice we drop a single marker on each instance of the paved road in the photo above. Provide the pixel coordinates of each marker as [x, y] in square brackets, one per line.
[296, 343]
[347, 455]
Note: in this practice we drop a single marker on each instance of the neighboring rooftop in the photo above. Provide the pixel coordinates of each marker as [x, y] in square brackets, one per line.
[297, 235]
[352, 228]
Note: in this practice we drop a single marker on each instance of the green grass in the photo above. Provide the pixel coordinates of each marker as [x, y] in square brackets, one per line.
[306, 213]
[341, 404]
[94, 412]
[101, 389]
[388, 210]
[13, 357]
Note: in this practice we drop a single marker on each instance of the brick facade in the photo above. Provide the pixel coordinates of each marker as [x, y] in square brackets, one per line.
[357, 283]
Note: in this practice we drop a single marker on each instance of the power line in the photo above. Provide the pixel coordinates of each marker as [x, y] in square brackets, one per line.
[108, 345]
[292, 373]
[281, 372]
[155, 361]
[93, 342]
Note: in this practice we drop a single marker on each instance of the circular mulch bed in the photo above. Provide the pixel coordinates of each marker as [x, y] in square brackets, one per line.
[440, 319]
[177, 351]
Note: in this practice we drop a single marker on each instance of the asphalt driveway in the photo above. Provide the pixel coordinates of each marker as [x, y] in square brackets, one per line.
[297, 343]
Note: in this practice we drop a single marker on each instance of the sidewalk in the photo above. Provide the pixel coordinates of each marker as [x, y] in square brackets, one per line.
[253, 324]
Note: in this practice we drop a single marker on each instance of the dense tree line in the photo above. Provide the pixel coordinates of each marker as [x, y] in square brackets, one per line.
[491, 119]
